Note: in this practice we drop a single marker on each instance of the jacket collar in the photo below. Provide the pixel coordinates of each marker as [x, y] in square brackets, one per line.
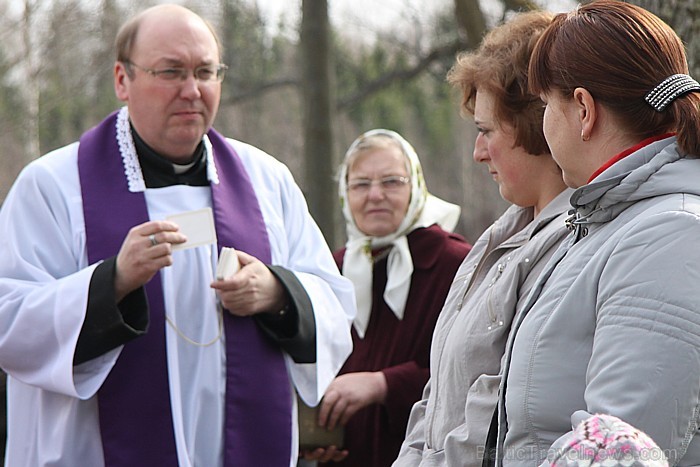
[643, 174]
[522, 223]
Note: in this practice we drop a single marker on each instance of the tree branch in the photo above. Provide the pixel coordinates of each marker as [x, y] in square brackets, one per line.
[402, 74]
[260, 90]
[520, 5]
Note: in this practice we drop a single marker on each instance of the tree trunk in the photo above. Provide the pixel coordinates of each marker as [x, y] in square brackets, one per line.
[32, 86]
[319, 151]
[471, 21]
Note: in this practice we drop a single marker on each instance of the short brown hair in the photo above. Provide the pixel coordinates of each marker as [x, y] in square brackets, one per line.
[618, 52]
[126, 36]
[499, 66]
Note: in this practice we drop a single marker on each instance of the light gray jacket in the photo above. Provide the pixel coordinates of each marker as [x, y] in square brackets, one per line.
[615, 329]
[448, 427]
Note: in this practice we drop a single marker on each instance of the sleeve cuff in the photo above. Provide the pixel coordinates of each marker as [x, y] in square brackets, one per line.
[109, 324]
[294, 329]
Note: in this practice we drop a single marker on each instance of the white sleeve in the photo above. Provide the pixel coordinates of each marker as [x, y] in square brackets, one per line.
[298, 245]
[44, 280]
[331, 295]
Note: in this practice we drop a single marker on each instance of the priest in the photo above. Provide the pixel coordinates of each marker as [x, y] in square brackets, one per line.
[121, 345]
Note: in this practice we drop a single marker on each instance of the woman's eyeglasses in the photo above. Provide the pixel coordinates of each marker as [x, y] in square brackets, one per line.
[387, 184]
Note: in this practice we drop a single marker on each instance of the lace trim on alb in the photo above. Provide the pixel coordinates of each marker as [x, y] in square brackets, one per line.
[132, 168]
[212, 173]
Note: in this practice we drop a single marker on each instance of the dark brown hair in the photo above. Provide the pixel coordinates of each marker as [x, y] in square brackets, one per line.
[618, 52]
[499, 66]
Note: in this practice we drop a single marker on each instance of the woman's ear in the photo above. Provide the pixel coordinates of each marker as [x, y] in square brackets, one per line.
[586, 112]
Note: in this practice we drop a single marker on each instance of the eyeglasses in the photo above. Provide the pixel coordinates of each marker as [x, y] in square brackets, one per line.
[205, 74]
[388, 184]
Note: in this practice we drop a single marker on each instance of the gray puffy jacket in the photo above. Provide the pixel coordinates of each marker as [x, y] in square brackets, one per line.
[615, 328]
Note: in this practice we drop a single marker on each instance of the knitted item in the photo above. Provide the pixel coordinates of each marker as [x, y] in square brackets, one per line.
[607, 441]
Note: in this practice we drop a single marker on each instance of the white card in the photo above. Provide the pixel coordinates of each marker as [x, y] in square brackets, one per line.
[228, 263]
[197, 225]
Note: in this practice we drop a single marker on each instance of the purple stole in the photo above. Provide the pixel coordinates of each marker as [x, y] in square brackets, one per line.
[134, 402]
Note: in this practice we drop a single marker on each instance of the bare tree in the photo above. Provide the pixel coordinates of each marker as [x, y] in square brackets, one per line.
[471, 20]
[32, 84]
[317, 79]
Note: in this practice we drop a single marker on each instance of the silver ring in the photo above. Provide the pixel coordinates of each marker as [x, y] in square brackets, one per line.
[153, 240]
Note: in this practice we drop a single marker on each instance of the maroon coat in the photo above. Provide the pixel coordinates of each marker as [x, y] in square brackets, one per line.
[400, 349]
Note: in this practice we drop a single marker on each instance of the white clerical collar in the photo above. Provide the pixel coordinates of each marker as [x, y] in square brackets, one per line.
[182, 168]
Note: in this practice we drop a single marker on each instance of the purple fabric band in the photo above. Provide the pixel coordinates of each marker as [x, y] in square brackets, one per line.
[258, 393]
[134, 402]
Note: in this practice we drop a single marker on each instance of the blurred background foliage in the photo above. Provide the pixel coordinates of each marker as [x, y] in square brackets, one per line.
[56, 62]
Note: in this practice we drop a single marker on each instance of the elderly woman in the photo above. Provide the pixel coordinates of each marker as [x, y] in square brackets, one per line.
[401, 258]
[614, 324]
[449, 426]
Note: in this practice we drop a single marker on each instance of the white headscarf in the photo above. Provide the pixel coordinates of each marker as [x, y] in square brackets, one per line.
[424, 210]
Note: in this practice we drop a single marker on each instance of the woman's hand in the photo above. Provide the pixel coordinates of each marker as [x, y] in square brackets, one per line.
[349, 393]
[331, 453]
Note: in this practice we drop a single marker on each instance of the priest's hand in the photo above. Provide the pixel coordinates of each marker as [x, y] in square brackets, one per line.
[253, 289]
[146, 249]
[349, 393]
[331, 453]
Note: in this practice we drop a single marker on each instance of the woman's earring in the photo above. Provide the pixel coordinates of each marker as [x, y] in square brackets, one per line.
[585, 137]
